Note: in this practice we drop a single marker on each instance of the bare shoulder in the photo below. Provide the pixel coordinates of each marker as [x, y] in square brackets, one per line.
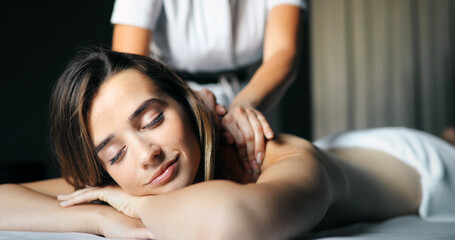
[286, 145]
[289, 157]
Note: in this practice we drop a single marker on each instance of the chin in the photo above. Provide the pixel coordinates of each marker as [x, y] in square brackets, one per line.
[166, 188]
[175, 185]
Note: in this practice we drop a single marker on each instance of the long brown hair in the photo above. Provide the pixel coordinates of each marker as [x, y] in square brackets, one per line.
[72, 97]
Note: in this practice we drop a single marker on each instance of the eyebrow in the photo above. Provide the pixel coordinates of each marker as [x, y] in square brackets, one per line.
[134, 115]
[144, 106]
[104, 143]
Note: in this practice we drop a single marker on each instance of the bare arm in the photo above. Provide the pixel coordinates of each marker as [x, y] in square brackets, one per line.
[51, 187]
[27, 210]
[290, 197]
[34, 207]
[280, 49]
[244, 119]
[131, 39]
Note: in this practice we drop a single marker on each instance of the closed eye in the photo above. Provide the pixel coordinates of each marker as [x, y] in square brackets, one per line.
[117, 157]
[155, 121]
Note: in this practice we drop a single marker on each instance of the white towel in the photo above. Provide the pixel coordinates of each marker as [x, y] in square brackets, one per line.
[433, 158]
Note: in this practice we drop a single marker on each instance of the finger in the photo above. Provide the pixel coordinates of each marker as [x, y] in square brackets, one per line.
[208, 98]
[248, 136]
[241, 153]
[142, 233]
[84, 197]
[246, 165]
[221, 110]
[228, 138]
[259, 143]
[230, 126]
[63, 197]
[268, 132]
[243, 123]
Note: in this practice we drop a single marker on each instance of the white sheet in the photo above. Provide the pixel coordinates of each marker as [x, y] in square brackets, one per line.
[12, 235]
[400, 228]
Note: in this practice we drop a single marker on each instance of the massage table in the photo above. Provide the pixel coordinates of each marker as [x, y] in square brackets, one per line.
[400, 228]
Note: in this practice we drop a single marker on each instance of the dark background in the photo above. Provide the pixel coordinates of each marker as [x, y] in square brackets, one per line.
[38, 40]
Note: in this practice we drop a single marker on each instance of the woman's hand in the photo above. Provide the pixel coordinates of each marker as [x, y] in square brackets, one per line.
[114, 224]
[113, 195]
[248, 127]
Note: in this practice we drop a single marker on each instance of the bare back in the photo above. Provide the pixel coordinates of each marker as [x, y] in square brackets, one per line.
[380, 186]
[372, 185]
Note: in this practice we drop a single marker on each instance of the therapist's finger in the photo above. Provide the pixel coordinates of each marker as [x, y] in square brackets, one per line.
[243, 123]
[228, 138]
[268, 132]
[221, 110]
[259, 142]
[208, 98]
[230, 125]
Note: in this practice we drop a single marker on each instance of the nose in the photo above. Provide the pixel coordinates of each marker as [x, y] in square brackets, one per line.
[148, 154]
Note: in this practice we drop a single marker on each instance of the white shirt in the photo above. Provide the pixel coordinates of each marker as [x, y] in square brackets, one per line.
[201, 35]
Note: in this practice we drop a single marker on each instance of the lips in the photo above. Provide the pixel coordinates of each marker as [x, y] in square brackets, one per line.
[164, 173]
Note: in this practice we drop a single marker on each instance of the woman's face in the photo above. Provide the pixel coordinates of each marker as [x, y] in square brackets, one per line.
[144, 138]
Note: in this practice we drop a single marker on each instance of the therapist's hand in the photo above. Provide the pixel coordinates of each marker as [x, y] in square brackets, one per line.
[246, 127]
[209, 99]
[249, 129]
[217, 111]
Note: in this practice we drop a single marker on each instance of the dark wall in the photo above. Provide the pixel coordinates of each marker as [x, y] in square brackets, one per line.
[296, 103]
[38, 39]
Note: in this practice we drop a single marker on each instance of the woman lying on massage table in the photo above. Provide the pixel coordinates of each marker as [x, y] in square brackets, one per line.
[129, 132]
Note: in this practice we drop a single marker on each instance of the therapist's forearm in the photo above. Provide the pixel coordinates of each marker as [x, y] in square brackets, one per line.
[23, 209]
[269, 83]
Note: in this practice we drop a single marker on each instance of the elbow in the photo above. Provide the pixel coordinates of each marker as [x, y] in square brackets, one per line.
[292, 59]
[289, 62]
[7, 187]
[234, 226]
[7, 192]
[234, 220]
[291, 55]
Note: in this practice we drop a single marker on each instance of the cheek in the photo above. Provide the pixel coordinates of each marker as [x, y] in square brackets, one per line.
[193, 148]
[124, 178]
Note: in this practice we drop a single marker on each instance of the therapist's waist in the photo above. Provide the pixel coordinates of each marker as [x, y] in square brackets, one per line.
[242, 74]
